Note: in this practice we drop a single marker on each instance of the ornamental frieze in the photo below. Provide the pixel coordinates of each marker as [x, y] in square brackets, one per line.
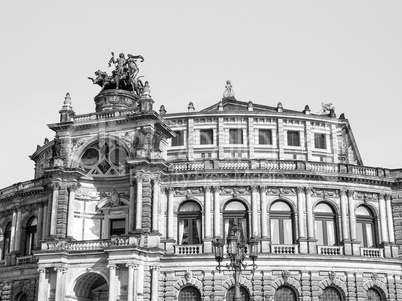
[188, 192]
[234, 190]
[324, 193]
[281, 191]
[85, 194]
[366, 196]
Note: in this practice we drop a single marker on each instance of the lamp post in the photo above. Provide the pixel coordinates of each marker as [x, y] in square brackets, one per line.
[236, 251]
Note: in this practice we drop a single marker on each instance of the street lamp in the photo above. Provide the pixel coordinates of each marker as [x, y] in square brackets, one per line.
[236, 251]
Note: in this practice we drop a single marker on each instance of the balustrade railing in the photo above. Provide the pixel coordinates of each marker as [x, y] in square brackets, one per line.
[90, 244]
[188, 249]
[284, 249]
[330, 250]
[371, 252]
[25, 260]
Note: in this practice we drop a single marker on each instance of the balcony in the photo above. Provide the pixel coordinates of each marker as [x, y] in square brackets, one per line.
[22, 260]
[330, 250]
[372, 252]
[188, 249]
[285, 249]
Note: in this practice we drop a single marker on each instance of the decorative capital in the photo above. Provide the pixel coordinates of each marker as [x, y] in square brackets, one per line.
[131, 266]
[207, 189]
[308, 190]
[42, 270]
[55, 185]
[112, 267]
[381, 195]
[388, 197]
[350, 193]
[299, 190]
[170, 190]
[263, 189]
[60, 269]
[342, 192]
[154, 268]
[72, 187]
[254, 188]
[216, 188]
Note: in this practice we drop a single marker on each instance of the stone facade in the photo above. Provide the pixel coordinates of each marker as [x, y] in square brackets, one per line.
[129, 206]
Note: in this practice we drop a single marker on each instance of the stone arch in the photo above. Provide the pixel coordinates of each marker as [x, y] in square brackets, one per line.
[373, 209]
[330, 203]
[243, 282]
[80, 150]
[240, 199]
[286, 200]
[87, 276]
[182, 283]
[187, 199]
[337, 283]
[378, 285]
[24, 287]
[293, 283]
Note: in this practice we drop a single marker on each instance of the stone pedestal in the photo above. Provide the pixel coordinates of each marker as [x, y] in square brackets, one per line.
[207, 245]
[356, 248]
[312, 246]
[347, 248]
[265, 245]
[303, 246]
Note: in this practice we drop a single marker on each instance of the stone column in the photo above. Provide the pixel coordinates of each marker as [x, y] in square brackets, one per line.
[264, 217]
[344, 218]
[18, 231]
[140, 283]
[53, 217]
[130, 283]
[170, 212]
[217, 212]
[71, 198]
[42, 285]
[112, 282]
[131, 207]
[59, 289]
[309, 209]
[352, 217]
[138, 218]
[383, 219]
[155, 205]
[135, 281]
[254, 211]
[13, 230]
[390, 219]
[162, 220]
[207, 215]
[300, 212]
[45, 221]
[39, 226]
[155, 283]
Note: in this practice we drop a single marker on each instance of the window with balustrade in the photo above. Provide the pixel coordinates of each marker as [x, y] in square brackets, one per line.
[189, 217]
[365, 224]
[245, 296]
[6, 240]
[117, 226]
[325, 225]
[374, 295]
[189, 293]
[282, 225]
[236, 211]
[331, 294]
[285, 293]
[30, 236]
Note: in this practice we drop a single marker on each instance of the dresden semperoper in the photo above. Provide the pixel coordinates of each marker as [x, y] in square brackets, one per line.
[237, 201]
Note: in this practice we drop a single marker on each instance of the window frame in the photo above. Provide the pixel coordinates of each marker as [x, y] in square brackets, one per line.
[31, 233]
[239, 216]
[6, 240]
[282, 215]
[320, 141]
[190, 216]
[232, 140]
[367, 220]
[178, 140]
[117, 230]
[209, 131]
[325, 217]
[270, 142]
[290, 138]
[186, 298]
[295, 295]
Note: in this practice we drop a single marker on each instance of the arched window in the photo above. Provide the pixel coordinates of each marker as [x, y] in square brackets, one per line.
[373, 295]
[281, 217]
[7, 239]
[325, 225]
[189, 293]
[331, 294]
[243, 294]
[285, 293]
[189, 217]
[365, 227]
[30, 238]
[236, 211]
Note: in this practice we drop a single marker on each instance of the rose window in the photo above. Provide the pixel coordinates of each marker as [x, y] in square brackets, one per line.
[106, 158]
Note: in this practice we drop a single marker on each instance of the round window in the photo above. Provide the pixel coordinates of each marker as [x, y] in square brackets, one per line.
[90, 157]
[118, 157]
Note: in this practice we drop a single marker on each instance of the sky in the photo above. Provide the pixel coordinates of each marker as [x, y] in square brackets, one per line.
[348, 53]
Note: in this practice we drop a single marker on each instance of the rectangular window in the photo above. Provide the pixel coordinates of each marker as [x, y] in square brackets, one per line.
[320, 141]
[275, 239]
[265, 137]
[179, 139]
[235, 136]
[117, 227]
[206, 137]
[293, 138]
[319, 235]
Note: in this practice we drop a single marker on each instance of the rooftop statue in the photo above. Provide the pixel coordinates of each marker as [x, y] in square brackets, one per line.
[229, 91]
[326, 108]
[124, 77]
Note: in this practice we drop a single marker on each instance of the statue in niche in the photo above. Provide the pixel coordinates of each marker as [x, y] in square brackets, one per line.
[138, 142]
[56, 149]
[228, 91]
